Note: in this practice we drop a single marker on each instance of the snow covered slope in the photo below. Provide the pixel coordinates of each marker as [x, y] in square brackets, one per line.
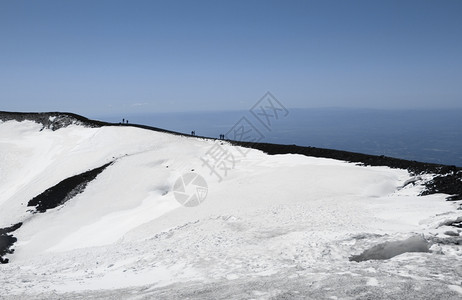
[275, 226]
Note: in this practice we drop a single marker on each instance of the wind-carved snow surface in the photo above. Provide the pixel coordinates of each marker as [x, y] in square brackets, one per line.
[388, 250]
[277, 227]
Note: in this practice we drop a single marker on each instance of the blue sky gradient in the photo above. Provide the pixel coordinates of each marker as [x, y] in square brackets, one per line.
[111, 57]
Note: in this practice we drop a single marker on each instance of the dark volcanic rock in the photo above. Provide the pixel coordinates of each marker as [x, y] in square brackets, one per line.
[7, 241]
[365, 159]
[51, 120]
[449, 183]
[57, 120]
[448, 179]
[65, 190]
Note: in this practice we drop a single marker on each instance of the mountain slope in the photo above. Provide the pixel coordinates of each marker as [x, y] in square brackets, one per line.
[270, 217]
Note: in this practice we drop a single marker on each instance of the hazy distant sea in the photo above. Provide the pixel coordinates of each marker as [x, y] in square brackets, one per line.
[422, 135]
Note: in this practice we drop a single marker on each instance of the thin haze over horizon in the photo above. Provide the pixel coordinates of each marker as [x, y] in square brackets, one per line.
[115, 57]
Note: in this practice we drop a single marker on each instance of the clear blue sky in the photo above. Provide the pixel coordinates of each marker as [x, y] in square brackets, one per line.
[98, 57]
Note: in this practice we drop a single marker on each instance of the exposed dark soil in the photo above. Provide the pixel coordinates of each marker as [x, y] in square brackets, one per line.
[65, 190]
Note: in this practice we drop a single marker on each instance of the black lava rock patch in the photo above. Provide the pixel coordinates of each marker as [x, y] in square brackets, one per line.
[7, 241]
[65, 190]
[450, 183]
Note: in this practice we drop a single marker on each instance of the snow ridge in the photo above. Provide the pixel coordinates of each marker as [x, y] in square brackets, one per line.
[50, 120]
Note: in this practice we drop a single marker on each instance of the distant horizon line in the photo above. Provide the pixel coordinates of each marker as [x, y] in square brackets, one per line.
[289, 108]
[332, 108]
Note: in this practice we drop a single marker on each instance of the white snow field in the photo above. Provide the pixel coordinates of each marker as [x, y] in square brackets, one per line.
[275, 227]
